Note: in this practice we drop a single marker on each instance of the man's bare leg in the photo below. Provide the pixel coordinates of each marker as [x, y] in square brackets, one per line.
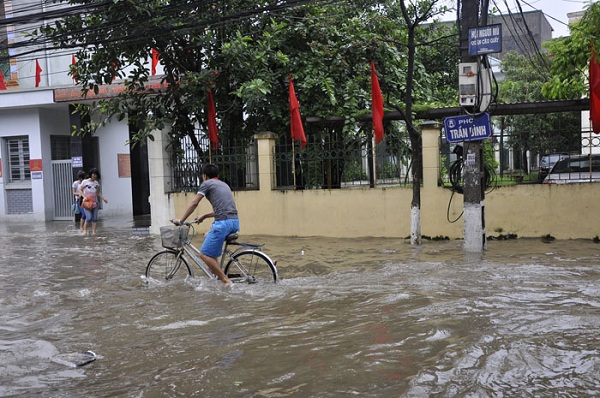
[213, 264]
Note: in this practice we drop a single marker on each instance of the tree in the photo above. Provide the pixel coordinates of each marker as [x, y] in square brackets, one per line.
[195, 40]
[541, 133]
[244, 50]
[413, 14]
[571, 55]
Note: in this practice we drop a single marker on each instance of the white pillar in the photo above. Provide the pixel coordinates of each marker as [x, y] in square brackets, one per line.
[161, 201]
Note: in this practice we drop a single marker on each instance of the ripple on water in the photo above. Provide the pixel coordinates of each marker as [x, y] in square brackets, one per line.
[27, 364]
[368, 317]
[180, 325]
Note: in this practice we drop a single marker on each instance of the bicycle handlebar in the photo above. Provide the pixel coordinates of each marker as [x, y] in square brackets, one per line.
[187, 223]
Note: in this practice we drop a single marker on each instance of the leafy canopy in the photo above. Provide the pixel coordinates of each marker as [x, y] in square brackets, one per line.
[571, 55]
[540, 133]
[244, 52]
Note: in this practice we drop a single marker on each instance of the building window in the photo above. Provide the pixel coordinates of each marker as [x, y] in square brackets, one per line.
[18, 159]
[60, 147]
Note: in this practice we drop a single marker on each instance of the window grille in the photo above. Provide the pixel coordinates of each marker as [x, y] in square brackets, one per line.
[18, 159]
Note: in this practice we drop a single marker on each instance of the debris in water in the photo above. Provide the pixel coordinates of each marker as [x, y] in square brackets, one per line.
[75, 359]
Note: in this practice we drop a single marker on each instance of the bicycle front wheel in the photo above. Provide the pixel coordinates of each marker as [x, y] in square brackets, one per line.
[251, 266]
[168, 265]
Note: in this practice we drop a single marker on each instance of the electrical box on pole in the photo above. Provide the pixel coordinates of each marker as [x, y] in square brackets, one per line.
[474, 86]
[467, 84]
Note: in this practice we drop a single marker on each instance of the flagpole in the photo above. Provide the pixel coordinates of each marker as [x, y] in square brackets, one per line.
[590, 137]
[374, 161]
[293, 163]
[590, 156]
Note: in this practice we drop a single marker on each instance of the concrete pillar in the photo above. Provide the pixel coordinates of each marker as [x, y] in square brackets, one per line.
[159, 164]
[266, 164]
[431, 153]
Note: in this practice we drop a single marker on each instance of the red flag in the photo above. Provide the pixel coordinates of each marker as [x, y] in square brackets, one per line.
[296, 127]
[74, 68]
[595, 92]
[38, 73]
[212, 123]
[2, 83]
[155, 56]
[377, 105]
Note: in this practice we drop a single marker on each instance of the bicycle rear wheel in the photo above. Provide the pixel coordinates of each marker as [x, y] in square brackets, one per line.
[251, 266]
[168, 265]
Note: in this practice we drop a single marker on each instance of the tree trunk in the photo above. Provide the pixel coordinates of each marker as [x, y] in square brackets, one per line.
[415, 142]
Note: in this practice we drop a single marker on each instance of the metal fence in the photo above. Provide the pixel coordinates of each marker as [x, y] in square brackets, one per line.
[328, 163]
[515, 156]
[325, 163]
[331, 160]
[237, 162]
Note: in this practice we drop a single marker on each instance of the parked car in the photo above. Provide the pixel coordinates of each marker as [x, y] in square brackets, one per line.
[575, 168]
[547, 162]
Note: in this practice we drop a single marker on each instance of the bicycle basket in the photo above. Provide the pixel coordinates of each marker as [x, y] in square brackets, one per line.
[173, 238]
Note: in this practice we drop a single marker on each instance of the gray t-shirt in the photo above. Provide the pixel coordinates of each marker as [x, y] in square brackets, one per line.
[220, 197]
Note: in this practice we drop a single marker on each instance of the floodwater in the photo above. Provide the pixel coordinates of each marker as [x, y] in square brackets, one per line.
[350, 317]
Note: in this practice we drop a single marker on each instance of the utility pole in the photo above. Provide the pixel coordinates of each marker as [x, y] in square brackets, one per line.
[473, 164]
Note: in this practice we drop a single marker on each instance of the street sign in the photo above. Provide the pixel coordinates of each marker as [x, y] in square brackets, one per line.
[485, 39]
[467, 127]
[77, 161]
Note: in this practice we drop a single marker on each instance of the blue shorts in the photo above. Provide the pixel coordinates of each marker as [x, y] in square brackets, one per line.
[81, 211]
[91, 215]
[215, 237]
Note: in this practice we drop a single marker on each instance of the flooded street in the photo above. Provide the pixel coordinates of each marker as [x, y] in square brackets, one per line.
[350, 317]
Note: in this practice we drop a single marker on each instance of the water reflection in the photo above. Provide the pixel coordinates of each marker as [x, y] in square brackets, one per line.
[368, 317]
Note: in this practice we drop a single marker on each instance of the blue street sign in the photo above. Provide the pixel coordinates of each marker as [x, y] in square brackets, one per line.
[485, 39]
[467, 127]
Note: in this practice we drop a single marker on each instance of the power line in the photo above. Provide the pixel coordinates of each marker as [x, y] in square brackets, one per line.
[520, 31]
[47, 43]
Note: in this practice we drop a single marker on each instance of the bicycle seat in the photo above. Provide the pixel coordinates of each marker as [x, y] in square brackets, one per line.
[231, 237]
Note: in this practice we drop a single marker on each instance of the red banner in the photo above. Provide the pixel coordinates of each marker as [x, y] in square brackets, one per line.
[296, 127]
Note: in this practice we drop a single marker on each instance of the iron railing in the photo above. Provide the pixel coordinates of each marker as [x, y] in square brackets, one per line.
[336, 164]
[513, 157]
[333, 161]
[237, 163]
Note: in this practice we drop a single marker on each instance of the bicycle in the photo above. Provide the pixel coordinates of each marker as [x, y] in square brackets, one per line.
[246, 264]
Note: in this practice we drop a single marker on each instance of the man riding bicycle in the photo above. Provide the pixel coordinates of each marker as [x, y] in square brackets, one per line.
[224, 212]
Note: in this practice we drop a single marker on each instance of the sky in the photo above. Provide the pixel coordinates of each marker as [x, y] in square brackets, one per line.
[556, 11]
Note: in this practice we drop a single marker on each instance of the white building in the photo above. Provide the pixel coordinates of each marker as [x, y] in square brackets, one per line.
[39, 158]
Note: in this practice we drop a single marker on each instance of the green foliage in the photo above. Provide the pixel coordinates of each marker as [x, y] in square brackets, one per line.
[541, 133]
[571, 56]
[388, 170]
[354, 172]
[396, 140]
[246, 62]
[523, 81]
[489, 158]
[4, 66]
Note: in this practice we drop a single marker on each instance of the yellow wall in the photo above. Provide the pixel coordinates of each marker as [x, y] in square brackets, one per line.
[563, 211]
[528, 210]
